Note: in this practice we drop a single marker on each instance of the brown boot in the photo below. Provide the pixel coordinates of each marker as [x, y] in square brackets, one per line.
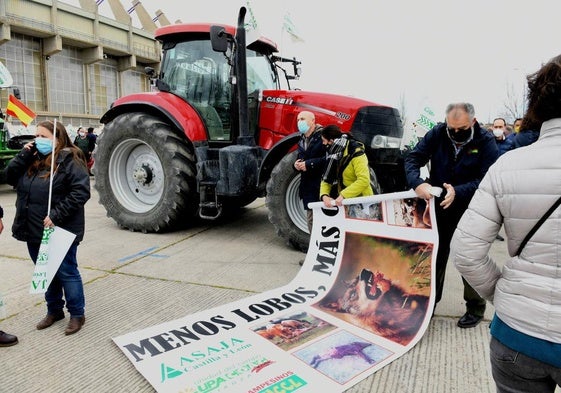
[49, 320]
[75, 324]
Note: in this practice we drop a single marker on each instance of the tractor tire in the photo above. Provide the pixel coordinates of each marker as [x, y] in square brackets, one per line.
[145, 174]
[286, 210]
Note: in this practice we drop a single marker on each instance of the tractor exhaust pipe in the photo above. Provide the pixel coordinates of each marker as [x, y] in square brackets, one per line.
[245, 136]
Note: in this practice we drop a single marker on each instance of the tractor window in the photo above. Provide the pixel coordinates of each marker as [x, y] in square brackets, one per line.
[259, 77]
[199, 75]
[194, 72]
[259, 72]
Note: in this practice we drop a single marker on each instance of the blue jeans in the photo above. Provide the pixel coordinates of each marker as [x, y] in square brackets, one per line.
[514, 372]
[67, 279]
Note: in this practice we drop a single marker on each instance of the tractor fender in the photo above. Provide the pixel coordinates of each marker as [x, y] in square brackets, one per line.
[164, 106]
[273, 157]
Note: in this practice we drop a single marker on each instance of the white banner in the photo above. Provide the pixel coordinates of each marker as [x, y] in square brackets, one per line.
[362, 299]
[54, 246]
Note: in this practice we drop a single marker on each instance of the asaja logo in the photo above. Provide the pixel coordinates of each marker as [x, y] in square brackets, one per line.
[169, 372]
[202, 357]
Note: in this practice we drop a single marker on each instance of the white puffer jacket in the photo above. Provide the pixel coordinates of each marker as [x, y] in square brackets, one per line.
[517, 190]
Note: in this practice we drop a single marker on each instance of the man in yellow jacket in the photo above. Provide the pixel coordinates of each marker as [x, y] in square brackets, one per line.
[347, 168]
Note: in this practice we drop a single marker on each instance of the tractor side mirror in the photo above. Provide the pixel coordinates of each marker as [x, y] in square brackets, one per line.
[219, 39]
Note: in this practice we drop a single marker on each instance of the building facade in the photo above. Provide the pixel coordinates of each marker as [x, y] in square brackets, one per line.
[71, 63]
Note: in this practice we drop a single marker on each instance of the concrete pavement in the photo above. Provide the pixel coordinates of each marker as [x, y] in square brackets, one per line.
[134, 280]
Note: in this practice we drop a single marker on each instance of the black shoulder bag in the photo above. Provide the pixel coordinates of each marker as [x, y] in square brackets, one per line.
[538, 225]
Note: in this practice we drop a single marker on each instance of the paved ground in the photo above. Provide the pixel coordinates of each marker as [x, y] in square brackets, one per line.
[135, 280]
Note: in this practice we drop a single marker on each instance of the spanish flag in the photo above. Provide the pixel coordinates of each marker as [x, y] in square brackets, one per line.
[16, 108]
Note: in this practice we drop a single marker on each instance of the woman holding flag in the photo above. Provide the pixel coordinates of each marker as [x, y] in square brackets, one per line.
[51, 172]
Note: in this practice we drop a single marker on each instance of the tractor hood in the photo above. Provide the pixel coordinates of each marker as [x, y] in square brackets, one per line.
[364, 119]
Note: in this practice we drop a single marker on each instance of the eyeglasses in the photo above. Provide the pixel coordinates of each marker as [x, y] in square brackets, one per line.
[458, 129]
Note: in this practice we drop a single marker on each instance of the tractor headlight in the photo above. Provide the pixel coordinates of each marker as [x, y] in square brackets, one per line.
[381, 141]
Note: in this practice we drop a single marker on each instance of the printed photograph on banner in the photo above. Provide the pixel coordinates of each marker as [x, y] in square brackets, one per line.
[383, 286]
[363, 211]
[342, 355]
[409, 212]
[289, 331]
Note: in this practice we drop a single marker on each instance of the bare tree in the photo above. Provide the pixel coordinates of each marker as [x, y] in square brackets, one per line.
[514, 103]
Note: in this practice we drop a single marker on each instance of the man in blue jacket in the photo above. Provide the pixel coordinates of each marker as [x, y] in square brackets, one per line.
[460, 153]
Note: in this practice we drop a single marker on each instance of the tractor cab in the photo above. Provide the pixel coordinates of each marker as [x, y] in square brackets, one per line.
[206, 76]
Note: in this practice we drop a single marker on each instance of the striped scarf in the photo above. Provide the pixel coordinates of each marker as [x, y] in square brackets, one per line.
[334, 155]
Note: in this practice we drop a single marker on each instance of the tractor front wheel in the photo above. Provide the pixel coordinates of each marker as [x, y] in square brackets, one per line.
[145, 174]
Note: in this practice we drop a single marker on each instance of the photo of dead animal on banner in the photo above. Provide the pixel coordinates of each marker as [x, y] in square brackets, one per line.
[383, 286]
[342, 356]
[292, 330]
[409, 212]
[365, 211]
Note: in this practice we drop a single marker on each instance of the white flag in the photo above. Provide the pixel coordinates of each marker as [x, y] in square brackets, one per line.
[289, 27]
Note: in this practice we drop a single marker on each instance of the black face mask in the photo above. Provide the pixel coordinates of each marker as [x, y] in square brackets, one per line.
[460, 136]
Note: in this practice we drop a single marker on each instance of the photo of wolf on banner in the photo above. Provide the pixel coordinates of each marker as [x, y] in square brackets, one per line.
[69, 187]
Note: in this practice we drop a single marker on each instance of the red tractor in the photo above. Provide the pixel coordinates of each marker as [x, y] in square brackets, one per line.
[218, 131]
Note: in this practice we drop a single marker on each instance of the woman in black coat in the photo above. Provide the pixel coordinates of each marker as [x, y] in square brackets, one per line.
[30, 172]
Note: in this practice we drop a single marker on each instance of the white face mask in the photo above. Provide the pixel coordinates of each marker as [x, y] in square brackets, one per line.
[498, 132]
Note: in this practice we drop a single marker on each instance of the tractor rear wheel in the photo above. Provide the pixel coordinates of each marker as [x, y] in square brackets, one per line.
[145, 174]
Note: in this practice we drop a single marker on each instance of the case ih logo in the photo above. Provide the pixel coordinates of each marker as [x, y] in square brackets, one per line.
[279, 100]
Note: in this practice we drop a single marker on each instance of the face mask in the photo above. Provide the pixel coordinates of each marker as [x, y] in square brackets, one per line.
[82, 133]
[44, 145]
[516, 128]
[498, 132]
[303, 126]
[460, 136]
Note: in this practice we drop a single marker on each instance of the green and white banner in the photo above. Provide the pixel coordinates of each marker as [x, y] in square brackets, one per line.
[54, 246]
[5, 77]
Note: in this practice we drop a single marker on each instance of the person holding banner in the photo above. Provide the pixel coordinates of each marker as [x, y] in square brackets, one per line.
[30, 171]
[6, 340]
[460, 152]
[346, 174]
[310, 162]
[522, 191]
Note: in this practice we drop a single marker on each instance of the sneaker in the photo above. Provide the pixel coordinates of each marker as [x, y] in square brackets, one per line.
[469, 320]
[7, 340]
